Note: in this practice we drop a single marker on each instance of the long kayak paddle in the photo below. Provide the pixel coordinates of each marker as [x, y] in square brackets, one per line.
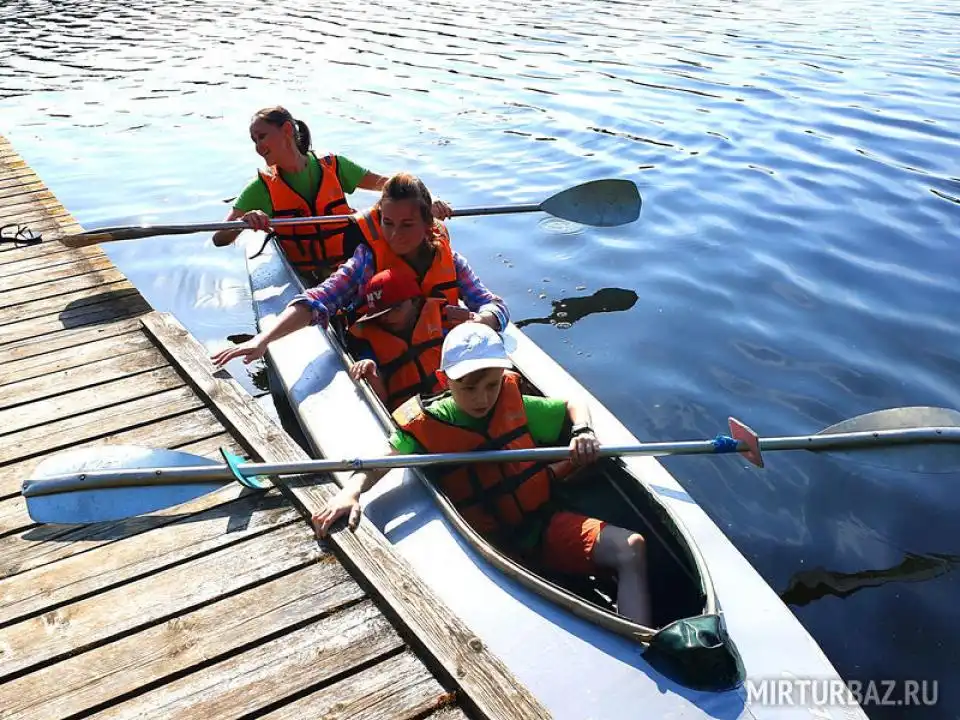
[115, 482]
[602, 203]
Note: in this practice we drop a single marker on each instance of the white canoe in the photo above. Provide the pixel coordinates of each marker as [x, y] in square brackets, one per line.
[577, 668]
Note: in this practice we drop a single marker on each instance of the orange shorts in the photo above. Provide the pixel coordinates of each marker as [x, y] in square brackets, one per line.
[568, 542]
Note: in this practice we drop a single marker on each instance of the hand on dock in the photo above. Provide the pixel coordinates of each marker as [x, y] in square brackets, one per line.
[344, 503]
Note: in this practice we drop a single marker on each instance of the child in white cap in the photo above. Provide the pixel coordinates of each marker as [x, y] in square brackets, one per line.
[511, 503]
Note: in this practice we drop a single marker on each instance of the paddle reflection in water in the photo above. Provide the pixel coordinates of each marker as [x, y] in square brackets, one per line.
[809, 585]
[567, 311]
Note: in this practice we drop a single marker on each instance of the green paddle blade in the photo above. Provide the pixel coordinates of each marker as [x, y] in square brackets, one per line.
[936, 456]
[115, 503]
[601, 203]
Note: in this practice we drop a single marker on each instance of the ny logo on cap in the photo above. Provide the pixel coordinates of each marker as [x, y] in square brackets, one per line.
[373, 296]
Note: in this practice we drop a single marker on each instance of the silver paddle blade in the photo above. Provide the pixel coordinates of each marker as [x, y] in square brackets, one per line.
[897, 419]
[601, 203]
[79, 505]
[934, 457]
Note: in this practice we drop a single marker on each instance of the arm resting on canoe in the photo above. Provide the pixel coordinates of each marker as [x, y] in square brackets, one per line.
[291, 319]
[338, 290]
[347, 501]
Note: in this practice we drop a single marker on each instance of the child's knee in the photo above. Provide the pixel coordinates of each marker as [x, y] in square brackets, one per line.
[633, 551]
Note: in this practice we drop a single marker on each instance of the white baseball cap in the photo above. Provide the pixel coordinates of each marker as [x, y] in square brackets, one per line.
[472, 346]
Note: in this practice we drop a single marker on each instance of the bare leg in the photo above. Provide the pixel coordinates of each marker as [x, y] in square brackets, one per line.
[625, 551]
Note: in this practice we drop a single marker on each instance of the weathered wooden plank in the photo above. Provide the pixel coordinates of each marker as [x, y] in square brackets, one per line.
[21, 185]
[59, 273]
[68, 290]
[270, 672]
[123, 667]
[59, 263]
[34, 347]
[42, 221]
[98, 373]
[38, 212]
[28, 550]
[43, 310]
[491, 690]
[29, 188]
[115, 306]
[101, 569]
[69, 432]
[47, 300]
[398, 688]
[172, 431]
[11, 178]
[26, 199]
[13, 517]
[68, 357]
[11, 264]
[210, 447]
[88, 623]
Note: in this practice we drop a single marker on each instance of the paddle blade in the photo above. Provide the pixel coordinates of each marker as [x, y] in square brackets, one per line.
[902, 418]
[933, 457]
[98, 505]
[601, 203]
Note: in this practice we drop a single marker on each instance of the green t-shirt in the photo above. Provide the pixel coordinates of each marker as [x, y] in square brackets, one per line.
[545, 418]
[255, 196]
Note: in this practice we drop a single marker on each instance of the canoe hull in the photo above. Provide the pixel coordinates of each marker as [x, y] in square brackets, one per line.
[575, 668]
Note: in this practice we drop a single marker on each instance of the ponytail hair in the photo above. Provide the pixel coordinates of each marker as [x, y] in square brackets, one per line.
[278, 117]
[302, 135]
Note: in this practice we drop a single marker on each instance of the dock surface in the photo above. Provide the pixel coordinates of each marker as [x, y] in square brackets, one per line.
[225, 607]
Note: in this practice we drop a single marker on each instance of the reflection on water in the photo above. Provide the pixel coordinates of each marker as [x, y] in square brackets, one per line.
[567, 311]
[807, 586]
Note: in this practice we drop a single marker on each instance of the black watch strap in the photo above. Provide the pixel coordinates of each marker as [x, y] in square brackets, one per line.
[580, 430]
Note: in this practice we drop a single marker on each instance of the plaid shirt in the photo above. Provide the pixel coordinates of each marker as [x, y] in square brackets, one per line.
[341, 290]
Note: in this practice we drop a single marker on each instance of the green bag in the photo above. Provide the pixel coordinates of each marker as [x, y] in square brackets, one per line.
[698, 653]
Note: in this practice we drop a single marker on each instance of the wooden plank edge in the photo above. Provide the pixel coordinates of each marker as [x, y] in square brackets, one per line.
[446, 644]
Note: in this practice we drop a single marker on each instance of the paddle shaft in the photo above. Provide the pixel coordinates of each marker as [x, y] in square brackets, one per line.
[134, 232]
[293, 222]
[603, 203]
[720, 445]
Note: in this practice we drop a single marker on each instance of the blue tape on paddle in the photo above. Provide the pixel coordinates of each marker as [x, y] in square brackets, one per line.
[254, 482]
[725, 444]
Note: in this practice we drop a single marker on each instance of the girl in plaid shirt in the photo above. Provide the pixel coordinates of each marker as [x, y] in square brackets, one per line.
[405, 209]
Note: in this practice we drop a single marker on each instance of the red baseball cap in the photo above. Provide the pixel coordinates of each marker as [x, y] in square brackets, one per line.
[387, 289]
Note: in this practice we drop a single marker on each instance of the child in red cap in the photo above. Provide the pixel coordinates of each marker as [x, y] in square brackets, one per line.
[398, 337]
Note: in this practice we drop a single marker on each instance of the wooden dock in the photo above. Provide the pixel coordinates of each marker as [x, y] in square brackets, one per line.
[225, 607]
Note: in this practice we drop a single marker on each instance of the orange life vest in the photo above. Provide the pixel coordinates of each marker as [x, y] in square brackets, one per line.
[495, 498]
[440, 280]
[408, 365]
[309, 247]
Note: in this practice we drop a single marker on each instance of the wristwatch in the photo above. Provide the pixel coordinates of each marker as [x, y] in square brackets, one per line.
[581, 429]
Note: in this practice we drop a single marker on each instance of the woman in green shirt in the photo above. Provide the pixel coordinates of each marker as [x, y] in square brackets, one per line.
[284, 143]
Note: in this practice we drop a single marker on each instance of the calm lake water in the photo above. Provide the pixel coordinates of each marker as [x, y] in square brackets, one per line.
[794, 265]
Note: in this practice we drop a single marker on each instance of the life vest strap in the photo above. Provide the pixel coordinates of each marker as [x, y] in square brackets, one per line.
[411, 353]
